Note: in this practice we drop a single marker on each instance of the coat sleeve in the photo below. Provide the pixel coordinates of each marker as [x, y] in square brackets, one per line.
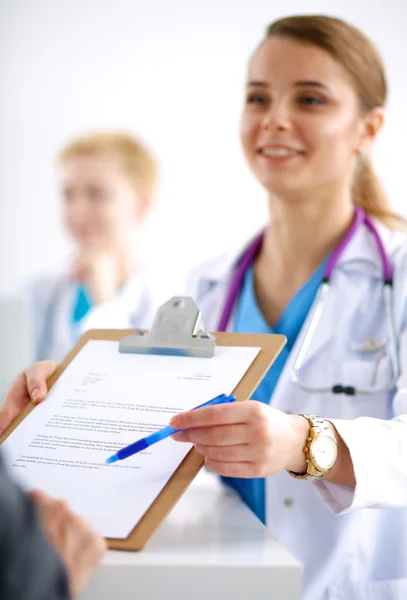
[29, 567]
[379, 454]
[378, 448]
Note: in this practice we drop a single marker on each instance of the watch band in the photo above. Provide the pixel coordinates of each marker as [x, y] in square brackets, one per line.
[317, 426]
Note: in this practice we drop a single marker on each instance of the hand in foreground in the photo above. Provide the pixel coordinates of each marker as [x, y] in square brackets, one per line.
[30, 385]
[79, 546]
[245, 439]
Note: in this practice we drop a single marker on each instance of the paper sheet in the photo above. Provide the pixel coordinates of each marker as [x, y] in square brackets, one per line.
[103, 401]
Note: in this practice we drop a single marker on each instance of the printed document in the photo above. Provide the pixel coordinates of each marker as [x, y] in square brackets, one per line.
[103, 401]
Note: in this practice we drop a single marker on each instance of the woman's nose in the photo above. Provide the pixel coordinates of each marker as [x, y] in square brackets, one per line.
[78, 209]
[277, 117]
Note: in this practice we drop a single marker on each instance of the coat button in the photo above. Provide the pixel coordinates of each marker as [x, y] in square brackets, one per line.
[288, 502]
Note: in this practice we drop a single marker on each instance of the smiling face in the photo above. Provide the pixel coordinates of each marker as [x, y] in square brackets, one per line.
[302, 127]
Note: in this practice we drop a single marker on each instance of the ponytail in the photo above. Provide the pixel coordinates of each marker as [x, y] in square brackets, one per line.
[369, 194]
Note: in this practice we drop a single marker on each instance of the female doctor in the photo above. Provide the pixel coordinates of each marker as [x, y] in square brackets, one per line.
[321, 457]
[107, 182]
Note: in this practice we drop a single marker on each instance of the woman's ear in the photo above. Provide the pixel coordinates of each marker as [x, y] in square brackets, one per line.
[144, 201]
[371, 127]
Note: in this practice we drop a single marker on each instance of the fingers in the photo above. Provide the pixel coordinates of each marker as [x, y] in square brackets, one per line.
[40, 497]
[228, 454]
[31, 384]
[16, 400]
[243, 470]
[92, 545]
[83, 550]
[223, 435]
[53, 515]
[45, 502]
[222, 414]
[235, 440]
[49, 509]
[5, 420]
[80, 547]
[36, 378]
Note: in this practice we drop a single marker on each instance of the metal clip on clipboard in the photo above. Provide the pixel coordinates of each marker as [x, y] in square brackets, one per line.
[177, 330]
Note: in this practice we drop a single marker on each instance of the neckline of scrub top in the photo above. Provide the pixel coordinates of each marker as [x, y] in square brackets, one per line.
[249, 318]
[82, 305]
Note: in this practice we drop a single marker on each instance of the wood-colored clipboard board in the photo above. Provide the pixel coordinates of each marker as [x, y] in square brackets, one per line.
[270, 345]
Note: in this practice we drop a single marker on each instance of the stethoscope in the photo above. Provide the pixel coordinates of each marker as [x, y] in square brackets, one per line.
[361, 218]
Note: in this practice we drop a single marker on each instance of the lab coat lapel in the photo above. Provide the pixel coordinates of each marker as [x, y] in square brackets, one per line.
[211, 305]
[61, 328]
[340, 304]
[349, 285]
[210, 286]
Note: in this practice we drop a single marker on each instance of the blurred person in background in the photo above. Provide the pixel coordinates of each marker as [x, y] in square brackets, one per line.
[107, 183]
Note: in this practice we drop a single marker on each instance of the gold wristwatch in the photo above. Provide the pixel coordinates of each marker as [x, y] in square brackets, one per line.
[320, 451]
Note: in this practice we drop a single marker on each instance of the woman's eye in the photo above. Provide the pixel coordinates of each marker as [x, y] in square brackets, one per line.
[310, 101]
[67, 196]
[96, 195]
[256, 99]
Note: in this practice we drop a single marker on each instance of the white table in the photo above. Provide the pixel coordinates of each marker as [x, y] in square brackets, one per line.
[211, 547]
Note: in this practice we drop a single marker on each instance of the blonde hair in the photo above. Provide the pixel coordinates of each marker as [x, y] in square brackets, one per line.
[358, 55]
[138, 162]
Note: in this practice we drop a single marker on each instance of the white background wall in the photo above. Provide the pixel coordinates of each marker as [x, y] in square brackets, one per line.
[173, 72]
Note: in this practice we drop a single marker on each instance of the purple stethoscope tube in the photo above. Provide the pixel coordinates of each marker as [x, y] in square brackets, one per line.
[361, 218]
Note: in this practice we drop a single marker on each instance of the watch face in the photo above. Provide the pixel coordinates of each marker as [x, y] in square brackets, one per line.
[323, 452]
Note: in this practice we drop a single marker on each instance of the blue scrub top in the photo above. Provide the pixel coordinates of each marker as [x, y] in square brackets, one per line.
[82, 305]
[249, 319]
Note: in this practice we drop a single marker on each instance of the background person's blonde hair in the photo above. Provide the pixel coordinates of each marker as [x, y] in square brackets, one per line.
[360, 58]
[136, 159]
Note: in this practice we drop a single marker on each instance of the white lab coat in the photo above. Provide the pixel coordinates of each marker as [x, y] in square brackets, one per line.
[51, 302]
[353, 545]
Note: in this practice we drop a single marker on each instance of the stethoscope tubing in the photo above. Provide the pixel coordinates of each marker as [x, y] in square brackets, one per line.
[248, 258]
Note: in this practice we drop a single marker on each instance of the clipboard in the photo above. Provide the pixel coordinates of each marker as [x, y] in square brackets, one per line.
[182, 336]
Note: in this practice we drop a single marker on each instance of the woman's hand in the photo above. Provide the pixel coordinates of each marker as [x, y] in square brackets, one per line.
[30, 385]
[245, 439]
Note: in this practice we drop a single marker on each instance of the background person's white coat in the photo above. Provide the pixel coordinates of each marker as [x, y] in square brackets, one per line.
[50, 305]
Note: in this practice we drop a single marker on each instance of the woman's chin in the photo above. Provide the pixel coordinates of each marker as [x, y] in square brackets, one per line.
[283, 189]
[91, 244]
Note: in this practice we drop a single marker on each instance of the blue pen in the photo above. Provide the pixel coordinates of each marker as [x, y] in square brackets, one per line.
[161, 434]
